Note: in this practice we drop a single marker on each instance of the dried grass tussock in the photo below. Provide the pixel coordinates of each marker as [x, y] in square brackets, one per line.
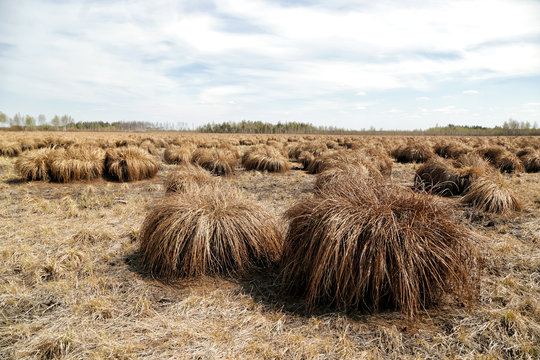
[501, 158]
[209, 231]
[442, 178]
[265, 158]
[531, 161]
[492, 194]
[187, 177]
[130, 164]
[76, 164]
[417, 152]
[371, 245]
[218, 161]
[178, 154]
[72, 284]
[34, 165]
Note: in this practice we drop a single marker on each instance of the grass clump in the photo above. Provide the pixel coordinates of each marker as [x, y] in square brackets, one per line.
[177, 155]
[210, 230]
[492, 194]
[221, 162]
[187, 177]
[76, 164]
[367, 244]
[442, 178]
[130, 163]
[34, 165]
[416, 152]
[265, 158]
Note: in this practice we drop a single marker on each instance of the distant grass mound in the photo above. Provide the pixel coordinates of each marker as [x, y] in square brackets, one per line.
[265, 158]
[130, 163]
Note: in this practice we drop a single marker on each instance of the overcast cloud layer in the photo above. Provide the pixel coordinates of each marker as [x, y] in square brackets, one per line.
[353, 64]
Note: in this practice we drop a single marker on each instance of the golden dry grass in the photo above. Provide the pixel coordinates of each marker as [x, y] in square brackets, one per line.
[442, 178]
[265, 158]
[71, 286]
[188, 177]
[366, 244]
[130, 164]
[492, 194]
[76, 164]
[206, 231]
[218, 161]
[178, 154]
[416, 152]
[34, 165]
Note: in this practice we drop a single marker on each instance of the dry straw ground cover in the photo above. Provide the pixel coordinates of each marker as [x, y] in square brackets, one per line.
[74, 284]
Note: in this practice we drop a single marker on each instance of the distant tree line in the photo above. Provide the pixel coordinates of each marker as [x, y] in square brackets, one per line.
[66, 122]
[259, 127]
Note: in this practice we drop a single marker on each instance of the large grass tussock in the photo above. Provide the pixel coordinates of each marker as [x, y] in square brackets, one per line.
[210, 230]
[372, 245]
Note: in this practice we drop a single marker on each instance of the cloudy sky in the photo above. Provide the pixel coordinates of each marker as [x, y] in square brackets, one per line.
[352, 64]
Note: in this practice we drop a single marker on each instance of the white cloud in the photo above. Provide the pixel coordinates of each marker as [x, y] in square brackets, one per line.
[167, 60]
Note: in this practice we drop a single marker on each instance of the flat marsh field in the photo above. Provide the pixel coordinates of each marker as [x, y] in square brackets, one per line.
[72, 285]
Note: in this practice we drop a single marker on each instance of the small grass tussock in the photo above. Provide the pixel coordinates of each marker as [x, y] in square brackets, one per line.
[492, 194]
[178, 154]
[187, 177]
[130, 164]
[265, 158]
[219, 162]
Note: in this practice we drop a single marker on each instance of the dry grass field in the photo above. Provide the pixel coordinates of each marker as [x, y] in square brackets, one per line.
[461, 238]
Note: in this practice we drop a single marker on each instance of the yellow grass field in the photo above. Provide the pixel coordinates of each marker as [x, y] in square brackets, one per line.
[72, 285]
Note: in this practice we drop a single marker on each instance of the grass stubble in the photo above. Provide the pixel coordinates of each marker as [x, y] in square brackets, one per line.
[71, 284]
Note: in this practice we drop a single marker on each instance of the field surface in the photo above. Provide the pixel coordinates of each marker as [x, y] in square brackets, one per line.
[72, 286]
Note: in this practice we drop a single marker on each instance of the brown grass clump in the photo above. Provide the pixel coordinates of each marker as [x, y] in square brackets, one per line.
[492, 194]
[372, 245]
[149, 146]
[210, 230]
[531, 162]
[34, 165]
[10, 148]
[451, 150]
[76, 164]
[177, 155]
[442, 178]
[501, 158]
[186, 177]
[315, 148]
[130, 163]
[218, 161]
[265, 158]
[417, 152]
[336, 176]
[305, 158]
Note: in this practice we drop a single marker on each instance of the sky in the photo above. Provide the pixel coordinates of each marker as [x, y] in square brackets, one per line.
[351, 64]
